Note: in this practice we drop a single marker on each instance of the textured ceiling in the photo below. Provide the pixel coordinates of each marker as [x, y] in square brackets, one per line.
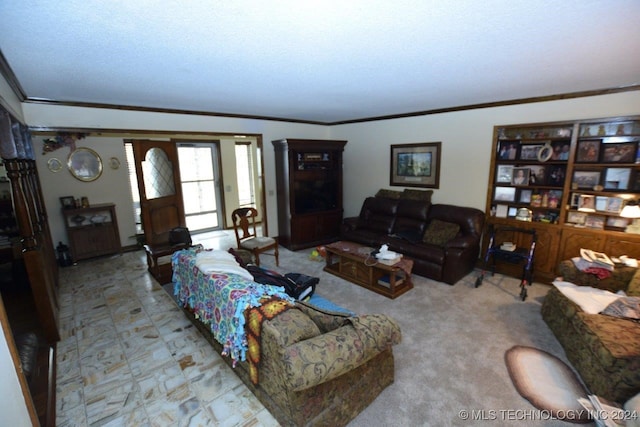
[323, 61]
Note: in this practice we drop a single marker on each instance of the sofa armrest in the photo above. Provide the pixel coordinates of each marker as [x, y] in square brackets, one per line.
[350, 224]
[327, 356]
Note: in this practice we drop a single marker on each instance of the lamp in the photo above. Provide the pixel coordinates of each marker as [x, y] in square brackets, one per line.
[632, 210]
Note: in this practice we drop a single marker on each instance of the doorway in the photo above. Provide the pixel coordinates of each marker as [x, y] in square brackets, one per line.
[199, 164]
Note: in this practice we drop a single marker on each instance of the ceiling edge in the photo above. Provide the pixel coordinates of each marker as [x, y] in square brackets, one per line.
[530, 100]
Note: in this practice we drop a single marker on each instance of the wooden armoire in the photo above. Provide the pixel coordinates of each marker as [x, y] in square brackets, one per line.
[309, 187]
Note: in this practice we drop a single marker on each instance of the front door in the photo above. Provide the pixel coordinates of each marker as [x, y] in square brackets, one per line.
[159, 187]
[201, 190]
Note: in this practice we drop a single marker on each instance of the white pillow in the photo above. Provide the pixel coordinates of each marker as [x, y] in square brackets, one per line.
[221, 262]
[215, 254]
[591, 300]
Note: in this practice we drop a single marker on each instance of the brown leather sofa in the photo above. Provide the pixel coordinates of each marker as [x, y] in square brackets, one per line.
[402, 223]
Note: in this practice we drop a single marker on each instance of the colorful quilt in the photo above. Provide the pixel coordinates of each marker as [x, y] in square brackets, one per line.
[219, 300]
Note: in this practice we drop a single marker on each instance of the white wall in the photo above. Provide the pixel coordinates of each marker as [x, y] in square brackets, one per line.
[48, 116]
[466, 138]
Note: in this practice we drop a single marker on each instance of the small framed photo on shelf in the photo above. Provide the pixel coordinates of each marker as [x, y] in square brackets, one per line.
[560, 151]
[574, 202]
[502, 211]
[520, 176]
[577, 218]
[601, 203]
[617, 222]
[525, 196]
[617, 178]
[536, 174]
[505, 194]
[556, 175]
[614, 205]
[67, 202]
[530, 151]
[585, 179]
[595, 221]
[512, 212]
[620, 153]
[508, 150]
[587, 203]
[588, 151]
[504, 174]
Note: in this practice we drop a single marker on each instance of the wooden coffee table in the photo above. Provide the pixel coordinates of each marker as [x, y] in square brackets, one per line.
[353, 262]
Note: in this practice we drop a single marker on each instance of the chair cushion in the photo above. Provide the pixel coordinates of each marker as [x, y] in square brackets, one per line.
[257, 243]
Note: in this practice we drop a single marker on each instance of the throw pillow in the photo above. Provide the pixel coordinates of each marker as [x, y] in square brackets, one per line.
[440, 232]
[389, 194]
[421, 195]
[626, 307]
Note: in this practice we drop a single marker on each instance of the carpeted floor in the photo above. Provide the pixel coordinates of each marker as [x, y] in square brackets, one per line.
[450, 366]
[450, 363]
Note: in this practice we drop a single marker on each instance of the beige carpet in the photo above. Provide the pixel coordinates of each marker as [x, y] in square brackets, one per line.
[547, 382]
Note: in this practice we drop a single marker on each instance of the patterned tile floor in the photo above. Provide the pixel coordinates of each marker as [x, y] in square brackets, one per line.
[129, 357]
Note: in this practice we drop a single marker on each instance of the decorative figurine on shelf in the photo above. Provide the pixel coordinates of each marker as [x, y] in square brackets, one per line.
[85, 202]
[601, 130]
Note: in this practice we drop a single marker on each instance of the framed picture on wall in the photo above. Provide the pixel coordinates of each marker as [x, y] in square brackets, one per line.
[416, 165]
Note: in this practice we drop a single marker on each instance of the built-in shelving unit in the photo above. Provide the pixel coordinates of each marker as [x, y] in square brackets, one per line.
[569, 181]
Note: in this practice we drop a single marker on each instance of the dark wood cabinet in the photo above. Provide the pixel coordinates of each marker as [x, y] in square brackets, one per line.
[309, 187]
[92, 231]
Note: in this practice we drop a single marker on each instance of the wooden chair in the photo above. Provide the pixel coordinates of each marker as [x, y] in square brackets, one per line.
[244, 225]
[158, 254]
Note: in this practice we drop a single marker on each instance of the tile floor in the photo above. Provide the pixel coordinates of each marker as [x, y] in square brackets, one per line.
[129, 357]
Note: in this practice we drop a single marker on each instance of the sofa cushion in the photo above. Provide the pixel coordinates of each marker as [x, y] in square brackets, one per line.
[389, 194]
[411, 217]
[633, 288]
[609, 338]
[293, 326]
[378, 214]
[422, 195]
[440, 232]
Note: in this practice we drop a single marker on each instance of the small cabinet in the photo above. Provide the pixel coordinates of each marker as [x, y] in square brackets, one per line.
[92, 231]
[309, 187]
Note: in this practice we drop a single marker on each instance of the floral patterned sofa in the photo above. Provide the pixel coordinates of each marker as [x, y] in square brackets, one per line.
[313, 367]
[605, 350]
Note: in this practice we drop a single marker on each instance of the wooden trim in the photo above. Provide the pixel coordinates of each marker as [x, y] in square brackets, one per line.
[530, 100]
[517, 101]
[167, 110]
[26, 392]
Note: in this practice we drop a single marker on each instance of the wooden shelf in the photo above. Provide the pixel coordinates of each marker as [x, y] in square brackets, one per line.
[518, 147]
